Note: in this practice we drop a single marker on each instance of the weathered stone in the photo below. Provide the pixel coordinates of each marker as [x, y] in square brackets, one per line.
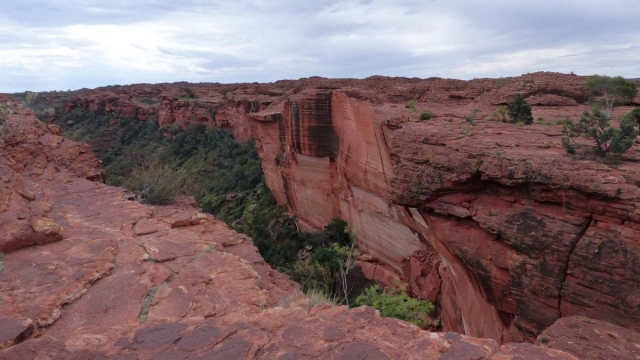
[591, 339]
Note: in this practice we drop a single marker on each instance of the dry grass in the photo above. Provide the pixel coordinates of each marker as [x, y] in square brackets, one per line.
[310, 299]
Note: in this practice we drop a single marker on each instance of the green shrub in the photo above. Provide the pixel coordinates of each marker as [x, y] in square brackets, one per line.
[500, 114]
[398, 305]
[612, 90]
[156, 184]
[595, 126]
[427, 115]
[519, 111]
[310, 274]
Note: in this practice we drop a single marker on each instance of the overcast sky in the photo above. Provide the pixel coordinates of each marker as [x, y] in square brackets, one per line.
[70, 44]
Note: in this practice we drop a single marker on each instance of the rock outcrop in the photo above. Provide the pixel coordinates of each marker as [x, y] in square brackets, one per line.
[106, 278]
[590, 339]
[495, 222]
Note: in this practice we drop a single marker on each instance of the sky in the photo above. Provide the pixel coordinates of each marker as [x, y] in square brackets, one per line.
[72, 44]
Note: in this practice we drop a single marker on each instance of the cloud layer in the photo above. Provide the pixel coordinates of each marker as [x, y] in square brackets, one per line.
[51, 44]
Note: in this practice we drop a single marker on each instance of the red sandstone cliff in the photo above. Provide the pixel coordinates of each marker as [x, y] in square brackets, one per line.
[494, 221]
[86, 274]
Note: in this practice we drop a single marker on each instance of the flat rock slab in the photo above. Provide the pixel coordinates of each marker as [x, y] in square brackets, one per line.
[591, 339]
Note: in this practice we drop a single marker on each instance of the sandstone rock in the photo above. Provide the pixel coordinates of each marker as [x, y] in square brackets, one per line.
[46, 231]
[13, 332]
[550, 100]
[591, 339]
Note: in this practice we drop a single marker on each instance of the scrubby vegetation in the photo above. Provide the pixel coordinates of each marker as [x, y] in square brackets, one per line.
[611, 91]
[500, 114]
[427, 115]
[595, 126]
[411, 104]
[519, 111]
[396, 303]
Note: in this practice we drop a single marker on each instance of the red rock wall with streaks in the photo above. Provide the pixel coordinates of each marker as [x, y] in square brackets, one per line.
[498, 237]
[317, 184]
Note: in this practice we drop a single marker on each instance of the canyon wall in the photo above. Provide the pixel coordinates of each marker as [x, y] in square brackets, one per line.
[494, 222]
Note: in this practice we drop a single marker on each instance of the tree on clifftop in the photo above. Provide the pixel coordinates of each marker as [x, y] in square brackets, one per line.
[519, 111]
[595, 126]
[612, 90]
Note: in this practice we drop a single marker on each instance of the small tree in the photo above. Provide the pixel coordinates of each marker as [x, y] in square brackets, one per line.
[29, 96]
[346, 258]
[189, 93]
[595, 126]
[519, 111]
[613, 90]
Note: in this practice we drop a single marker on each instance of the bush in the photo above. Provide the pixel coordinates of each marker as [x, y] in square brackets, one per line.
[500, 114]
[519, 111]
[427, 115]
[189, 93]
[595, 126]
[611, 90]
[398, 305]
[411, 104]
[155, 184]
[310, 274]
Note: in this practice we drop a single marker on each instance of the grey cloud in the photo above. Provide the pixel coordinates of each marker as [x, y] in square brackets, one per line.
[50, 44]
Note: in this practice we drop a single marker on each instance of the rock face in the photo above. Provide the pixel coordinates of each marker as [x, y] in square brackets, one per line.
[104, 278]
[494, 222]
[591, 339]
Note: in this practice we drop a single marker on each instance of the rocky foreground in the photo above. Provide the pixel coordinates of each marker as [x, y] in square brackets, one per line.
[88, 275]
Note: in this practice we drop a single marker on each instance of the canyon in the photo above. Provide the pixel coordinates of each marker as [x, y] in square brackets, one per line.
[494, 222]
